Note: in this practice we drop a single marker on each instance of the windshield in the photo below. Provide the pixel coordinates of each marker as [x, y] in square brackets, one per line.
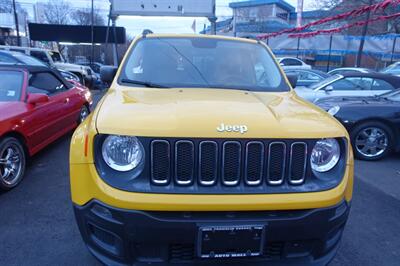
[392, 69]
[11, 85]
[204, 63]
[324, 82]
[28, 60]
[56, 57]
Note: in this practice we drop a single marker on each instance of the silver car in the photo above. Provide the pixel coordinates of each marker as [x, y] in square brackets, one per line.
[352, 84]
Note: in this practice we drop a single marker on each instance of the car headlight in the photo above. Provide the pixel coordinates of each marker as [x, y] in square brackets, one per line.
[334, 110]
[122, 153]
[325, 155]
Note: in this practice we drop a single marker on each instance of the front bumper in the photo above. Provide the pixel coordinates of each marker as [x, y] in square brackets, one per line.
[129, 237]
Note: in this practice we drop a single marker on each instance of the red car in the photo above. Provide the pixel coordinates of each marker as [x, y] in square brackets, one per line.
[37, 106]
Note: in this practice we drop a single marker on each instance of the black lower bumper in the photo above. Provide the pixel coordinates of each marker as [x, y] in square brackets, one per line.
[126, 237]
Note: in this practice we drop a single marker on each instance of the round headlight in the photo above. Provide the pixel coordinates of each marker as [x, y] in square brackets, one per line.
[122, 153]
[334, 110]
[325, 155]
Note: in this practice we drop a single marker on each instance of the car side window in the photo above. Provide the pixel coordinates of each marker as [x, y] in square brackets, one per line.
[303, 75]
[381, 85]
[350, 84]
[45, 82]
[41, 56]
[291, 62]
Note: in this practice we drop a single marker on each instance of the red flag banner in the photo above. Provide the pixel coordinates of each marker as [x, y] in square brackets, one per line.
[342, 28]
[350, 14]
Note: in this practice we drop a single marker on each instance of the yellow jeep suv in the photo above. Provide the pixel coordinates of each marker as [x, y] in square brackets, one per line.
[201, 153]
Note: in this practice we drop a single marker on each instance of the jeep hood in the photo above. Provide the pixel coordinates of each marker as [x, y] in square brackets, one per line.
[198, 113]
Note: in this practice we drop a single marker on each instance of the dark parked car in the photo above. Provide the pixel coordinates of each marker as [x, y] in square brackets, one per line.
[17, 58]
[373, 122]
[307, 77]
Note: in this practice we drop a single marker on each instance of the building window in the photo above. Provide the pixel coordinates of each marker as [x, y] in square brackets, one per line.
[282, 15]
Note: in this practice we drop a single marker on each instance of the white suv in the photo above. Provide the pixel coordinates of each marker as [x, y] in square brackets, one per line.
[55, 59]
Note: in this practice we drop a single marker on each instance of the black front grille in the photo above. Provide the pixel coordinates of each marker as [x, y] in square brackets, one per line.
[228, 163]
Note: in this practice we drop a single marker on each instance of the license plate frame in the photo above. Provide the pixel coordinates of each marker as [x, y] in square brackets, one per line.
[231, 241]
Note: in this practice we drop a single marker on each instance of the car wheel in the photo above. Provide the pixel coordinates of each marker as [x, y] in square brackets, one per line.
[371, 141]
[83, 113]
[12, 163]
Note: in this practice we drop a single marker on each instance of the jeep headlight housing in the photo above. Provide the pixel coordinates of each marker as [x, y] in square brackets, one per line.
[325, 155]
[122, 153]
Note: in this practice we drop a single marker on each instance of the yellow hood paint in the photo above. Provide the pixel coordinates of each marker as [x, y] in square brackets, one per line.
[198, 112]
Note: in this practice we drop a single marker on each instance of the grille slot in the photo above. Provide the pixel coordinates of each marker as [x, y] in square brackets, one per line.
[208, 163]
[254, 163]
[218, 164]
[160, 162]
[276, 163]
[298, 163]
[184, 162]
[231, 163]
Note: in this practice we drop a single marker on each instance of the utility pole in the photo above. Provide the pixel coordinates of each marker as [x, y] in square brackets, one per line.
[300, 4]
[362, 41]
[16, 23]
[92, 32]
[115, 51]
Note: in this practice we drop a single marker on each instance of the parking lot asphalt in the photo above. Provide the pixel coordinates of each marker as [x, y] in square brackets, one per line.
[37, 225]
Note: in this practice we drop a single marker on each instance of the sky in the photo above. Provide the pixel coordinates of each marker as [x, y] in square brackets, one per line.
[135, 25]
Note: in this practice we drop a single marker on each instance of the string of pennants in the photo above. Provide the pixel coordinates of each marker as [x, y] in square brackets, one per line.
[296, 32]
[391, 36]
[345, 27]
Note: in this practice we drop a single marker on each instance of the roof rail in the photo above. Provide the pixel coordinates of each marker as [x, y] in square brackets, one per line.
[146, 31]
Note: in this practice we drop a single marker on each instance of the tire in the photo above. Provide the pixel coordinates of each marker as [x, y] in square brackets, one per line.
[12, 157]
[83, 113]
[371, 141]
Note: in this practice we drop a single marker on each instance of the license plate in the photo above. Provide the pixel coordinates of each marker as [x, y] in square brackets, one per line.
[230, 241]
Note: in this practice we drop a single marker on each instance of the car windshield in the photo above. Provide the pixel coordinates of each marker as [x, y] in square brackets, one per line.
[324, 82]
[28, 60]
[202, 63]
[56, 57]
[11, 85]
[392, 69]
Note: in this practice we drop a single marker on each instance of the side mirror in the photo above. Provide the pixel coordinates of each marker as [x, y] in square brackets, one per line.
[107, 73]
[328, 88]
[292, 79]
[37, 98]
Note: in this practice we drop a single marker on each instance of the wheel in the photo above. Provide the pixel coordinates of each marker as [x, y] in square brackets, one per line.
[371, 141]
[12, 163]
[84, 112]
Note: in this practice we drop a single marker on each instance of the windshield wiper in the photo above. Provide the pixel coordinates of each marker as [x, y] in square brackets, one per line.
[143, 83]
